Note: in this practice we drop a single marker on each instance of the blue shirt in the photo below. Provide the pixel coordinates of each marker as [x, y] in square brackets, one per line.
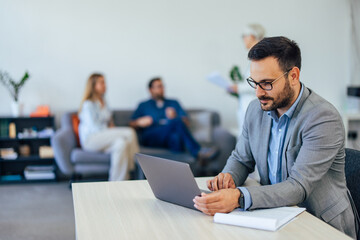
[278, 131]
[150, 108]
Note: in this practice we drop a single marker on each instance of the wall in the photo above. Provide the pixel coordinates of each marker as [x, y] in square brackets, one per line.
[61, 42]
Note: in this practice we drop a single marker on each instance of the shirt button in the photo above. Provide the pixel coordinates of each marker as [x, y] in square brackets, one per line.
[279, 130]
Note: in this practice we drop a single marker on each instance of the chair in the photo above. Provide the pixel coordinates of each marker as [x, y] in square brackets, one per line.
[352, 173]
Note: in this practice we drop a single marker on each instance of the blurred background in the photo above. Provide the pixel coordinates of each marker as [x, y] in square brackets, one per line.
[62, 42]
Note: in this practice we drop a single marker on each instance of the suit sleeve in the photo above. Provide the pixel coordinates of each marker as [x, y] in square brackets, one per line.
[321, 146]
[241, 161]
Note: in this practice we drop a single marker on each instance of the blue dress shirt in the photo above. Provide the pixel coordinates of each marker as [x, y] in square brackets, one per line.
[278, 131]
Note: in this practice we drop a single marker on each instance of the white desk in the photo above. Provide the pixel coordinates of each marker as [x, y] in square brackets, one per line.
[129, 210]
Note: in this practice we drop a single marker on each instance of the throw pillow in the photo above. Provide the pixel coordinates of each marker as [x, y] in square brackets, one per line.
[75, 124]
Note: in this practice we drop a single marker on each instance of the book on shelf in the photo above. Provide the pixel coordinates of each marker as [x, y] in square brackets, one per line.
[46, 152]
[265, 219]
[8, 153]
[36, 172]
[4, 129]
[40, 168]
[10, 178]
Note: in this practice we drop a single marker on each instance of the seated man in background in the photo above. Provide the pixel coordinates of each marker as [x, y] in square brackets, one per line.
[163, 123]
[295, 137]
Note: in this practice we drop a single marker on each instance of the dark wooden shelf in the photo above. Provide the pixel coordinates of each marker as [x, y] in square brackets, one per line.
[24, 139]
[23, 180]
[24, 159]
[23, 117]
[15, 167]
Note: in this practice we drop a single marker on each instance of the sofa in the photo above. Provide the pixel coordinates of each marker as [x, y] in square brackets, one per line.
[75, 162]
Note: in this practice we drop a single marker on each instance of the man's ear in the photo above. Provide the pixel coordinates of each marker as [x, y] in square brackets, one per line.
[294, 75]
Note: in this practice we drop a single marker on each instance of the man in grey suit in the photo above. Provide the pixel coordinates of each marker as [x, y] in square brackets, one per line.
[296, 139]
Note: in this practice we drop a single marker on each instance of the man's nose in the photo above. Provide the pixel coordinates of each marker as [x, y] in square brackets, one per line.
[259, 91]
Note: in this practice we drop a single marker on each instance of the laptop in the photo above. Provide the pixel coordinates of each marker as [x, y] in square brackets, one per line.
[170, 181]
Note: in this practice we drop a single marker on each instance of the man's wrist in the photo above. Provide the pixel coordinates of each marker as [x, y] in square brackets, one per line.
[241, 201]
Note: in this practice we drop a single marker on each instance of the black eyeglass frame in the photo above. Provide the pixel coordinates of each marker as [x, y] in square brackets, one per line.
[254, 84]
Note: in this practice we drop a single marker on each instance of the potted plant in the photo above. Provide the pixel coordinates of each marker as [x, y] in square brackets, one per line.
[14, 89]
[236, 77]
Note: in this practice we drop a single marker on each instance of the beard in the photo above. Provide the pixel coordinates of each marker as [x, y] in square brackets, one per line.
[283, 99]
[159, 97]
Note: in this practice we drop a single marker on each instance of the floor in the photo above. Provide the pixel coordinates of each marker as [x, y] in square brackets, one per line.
[36, 211]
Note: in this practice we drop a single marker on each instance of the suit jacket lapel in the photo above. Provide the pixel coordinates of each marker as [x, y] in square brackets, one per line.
[284, 171]
[263, 149]
[289, 132]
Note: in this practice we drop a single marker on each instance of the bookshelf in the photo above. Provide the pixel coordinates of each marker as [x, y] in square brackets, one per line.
[24, 144]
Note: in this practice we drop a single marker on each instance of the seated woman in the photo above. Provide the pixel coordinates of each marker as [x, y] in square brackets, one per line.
[98, 133]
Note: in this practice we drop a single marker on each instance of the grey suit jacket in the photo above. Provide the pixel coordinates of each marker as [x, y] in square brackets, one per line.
[313, 161]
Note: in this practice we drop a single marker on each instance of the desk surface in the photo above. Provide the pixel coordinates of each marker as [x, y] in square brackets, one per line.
[129, 210]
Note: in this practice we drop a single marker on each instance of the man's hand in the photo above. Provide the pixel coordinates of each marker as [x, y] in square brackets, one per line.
[144, 121]
[233, 88]
[222, 201]
[221, 181]
[170, 112]
[111, 124]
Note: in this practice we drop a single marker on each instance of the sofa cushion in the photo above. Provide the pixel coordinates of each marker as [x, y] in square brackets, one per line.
[80, 156]
[201, 126]
[92, 169]
[165, 153]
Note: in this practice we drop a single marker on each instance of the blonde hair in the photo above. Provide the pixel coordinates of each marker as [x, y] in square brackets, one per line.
[89, 93]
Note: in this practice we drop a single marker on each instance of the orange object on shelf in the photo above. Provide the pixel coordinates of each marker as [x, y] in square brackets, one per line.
[41, 111]
[12, 130]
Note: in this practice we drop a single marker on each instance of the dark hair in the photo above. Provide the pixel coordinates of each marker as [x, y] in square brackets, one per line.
[286, 51]
[153, 80]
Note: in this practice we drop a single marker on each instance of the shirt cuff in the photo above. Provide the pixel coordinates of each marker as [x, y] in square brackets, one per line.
[247, 198]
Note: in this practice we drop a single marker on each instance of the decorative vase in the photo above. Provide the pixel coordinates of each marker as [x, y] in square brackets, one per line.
[16, 109]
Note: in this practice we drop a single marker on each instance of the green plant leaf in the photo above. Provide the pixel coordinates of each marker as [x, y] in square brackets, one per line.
[235, 74]
[24, 78]
[11, 85]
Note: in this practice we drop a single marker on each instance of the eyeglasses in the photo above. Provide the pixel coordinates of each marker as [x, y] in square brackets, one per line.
[265, 84]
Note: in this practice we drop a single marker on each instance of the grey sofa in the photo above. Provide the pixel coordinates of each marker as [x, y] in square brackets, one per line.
[75, 162]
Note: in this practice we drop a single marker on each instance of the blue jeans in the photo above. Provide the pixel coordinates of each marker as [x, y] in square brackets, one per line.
[174, 136]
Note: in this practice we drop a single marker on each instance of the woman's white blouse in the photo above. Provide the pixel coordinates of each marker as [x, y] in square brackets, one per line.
[93, 118]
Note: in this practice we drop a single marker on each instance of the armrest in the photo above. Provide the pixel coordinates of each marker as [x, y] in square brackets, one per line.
[226, 143]
[63, 142]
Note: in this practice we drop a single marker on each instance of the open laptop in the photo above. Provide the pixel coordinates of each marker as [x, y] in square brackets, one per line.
[170, 181]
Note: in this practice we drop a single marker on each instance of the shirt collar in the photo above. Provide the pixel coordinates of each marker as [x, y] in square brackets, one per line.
[290, 112]
[98, 103]
[157, 104]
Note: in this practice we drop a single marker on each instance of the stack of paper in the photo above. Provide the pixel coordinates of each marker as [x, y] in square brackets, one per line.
[266, 219]
[217, 79]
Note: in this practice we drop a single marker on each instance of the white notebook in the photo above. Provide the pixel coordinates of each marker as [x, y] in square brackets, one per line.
[266, 219]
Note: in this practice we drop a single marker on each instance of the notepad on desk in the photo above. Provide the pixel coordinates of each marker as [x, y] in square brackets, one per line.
[266, 219]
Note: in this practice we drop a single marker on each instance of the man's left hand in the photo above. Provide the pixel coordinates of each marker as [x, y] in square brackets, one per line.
[222, 201]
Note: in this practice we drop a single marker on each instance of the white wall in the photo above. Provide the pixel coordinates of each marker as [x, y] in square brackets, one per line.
[61, 42]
